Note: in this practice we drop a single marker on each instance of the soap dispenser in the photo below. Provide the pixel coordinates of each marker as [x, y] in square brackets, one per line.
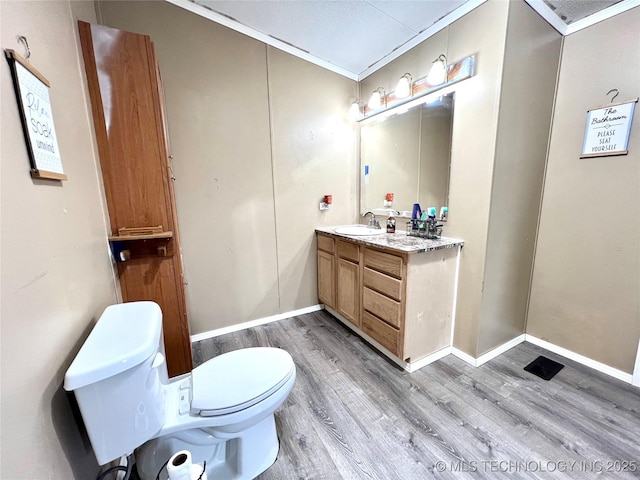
[391, 224]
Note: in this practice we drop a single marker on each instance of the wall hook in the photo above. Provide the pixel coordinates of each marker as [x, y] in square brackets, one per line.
[22, 39]
[611, 91]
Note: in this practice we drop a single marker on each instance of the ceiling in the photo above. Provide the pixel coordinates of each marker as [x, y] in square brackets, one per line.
[357, 37]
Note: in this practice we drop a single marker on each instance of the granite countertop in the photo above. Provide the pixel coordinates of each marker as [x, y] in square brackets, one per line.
[399, 241]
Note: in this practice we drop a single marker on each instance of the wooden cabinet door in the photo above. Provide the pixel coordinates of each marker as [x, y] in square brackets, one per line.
[127, 104]
[348, 290]
[326, 275]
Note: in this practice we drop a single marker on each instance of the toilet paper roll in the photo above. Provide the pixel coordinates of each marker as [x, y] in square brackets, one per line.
[179, 466]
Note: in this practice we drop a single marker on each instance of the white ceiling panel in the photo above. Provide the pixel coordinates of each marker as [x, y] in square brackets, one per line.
[356, 37]
[341, 33]
[418, 15]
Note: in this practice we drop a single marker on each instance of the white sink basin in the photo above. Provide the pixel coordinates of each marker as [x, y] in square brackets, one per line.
[358, 230]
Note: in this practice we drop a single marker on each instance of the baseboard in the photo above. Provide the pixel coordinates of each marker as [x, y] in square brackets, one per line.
[463, 356]
[423, 362]
[490, 355]
[253, 323]
[484, 358]
[586, 361]
[576, 357]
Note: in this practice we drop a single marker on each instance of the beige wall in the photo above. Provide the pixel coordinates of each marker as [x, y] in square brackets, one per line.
[475, 120]
[584, 295]
[258, 137]
[56, 276]
[313, 151]
[529, 76]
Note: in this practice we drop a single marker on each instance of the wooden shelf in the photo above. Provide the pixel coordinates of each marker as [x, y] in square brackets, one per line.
[150, 236]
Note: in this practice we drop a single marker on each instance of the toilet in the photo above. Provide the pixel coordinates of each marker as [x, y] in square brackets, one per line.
[222, 412]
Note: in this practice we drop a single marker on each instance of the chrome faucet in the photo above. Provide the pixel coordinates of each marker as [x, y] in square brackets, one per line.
[373, 221]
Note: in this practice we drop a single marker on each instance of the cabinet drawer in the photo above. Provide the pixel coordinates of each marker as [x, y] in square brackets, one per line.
[325, 243]
[384, 334]
[390, 286]
[349, 251]
[381, 306]
[383, 262]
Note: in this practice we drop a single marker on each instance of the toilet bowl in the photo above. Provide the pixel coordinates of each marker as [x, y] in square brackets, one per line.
[222, 412]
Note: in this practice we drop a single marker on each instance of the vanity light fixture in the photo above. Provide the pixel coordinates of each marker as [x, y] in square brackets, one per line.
[376, 99]
[355, 113]
[381, 105]
[438, 72]
[405, 86]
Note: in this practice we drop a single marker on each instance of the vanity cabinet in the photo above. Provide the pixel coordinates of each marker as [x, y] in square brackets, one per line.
[401, 301]
[326, 271]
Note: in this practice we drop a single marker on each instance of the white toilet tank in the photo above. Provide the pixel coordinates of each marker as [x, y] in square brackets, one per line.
[117, 378]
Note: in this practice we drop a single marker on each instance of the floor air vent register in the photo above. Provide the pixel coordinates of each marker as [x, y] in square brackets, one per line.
[544, 367]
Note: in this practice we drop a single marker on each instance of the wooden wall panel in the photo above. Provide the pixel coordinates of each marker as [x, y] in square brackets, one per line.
[127, 104]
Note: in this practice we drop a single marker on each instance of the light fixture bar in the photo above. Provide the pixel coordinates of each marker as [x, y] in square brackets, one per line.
[456, 72]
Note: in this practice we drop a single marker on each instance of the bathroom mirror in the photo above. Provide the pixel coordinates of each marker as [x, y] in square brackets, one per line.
[409, 155]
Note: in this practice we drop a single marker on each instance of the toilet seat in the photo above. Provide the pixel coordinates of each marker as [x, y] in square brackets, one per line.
[237, 380]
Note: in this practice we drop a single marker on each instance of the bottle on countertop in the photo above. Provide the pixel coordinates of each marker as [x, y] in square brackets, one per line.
[391, 224]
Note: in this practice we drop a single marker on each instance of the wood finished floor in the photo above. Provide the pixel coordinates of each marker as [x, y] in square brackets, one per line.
[353, 414]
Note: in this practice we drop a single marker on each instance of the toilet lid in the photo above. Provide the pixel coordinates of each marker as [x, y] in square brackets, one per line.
[236, 380]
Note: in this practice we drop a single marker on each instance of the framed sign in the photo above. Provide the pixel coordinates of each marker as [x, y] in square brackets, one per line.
[32, 94]
[607, 131]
